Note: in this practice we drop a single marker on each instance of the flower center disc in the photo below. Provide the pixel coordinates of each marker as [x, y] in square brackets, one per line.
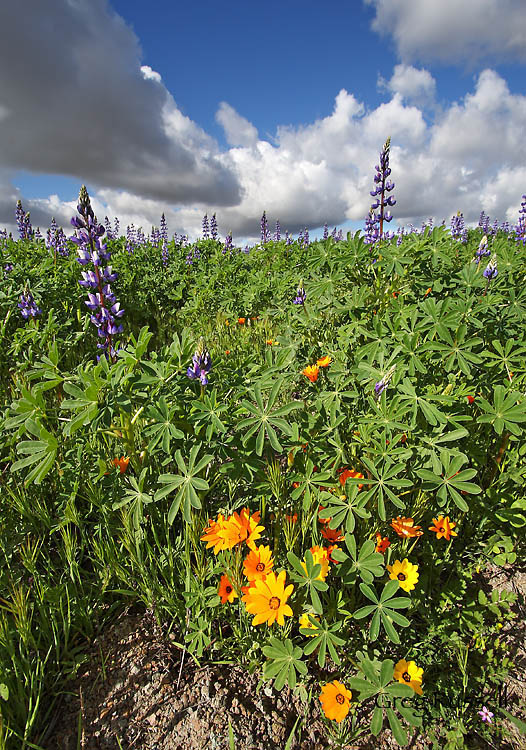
[401, 576]
[407, 676]
[260, 566]
[274, 603]
[228, 589]
[441, 528]
[340, 699]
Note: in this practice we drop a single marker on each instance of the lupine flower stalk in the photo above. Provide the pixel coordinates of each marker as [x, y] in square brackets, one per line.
[213, 227]
[101, 300]
[382, 384]
[28, 306]
[109, 231]
[383, 186]
[264, 229]
[206, 230]
[520, 229]
[325, 231]
[23, 221]
[301, 295]
[201, 364]
[277, 233]
[482, 250]
[228, 246]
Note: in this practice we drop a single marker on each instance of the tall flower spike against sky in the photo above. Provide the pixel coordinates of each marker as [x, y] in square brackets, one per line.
[294, 134]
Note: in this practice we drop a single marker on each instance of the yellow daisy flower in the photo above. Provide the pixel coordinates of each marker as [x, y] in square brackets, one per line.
[405, 573]
[408, 673]
[267, 600]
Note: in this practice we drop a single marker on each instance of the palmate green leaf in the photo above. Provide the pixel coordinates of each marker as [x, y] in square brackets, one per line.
[283, 663]
[384, 611]
[343, 509]
[163, 430]
[456, 353]
[452, 481]
[430, 412]
[265, 418]
[188, 483]
[323, 637]
[506, 411]
[367, 564]
[382, 480]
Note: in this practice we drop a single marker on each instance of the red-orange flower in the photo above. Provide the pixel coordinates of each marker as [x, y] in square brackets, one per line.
[311, 372]
[443, 528]
[226, 590]
[291, 519]
[333, 535]
[382, 543]
[405, 527]
[323, 520]
[324, 361]
[346, 473]
[329, 550]
[122, 463]
[470, 399]
[241, 321]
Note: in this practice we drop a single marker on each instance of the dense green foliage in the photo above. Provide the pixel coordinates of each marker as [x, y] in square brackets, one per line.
[80, 539]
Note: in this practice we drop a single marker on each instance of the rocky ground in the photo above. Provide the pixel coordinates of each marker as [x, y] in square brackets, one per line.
[134, 693]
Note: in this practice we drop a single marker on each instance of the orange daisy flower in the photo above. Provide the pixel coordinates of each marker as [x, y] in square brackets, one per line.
[311, 372]
[405, 527]
[443, 528]
[267, 600]
[335, 699]
[427, 291]
[333, 535]
[241, 321]
[470, 399]
[346, 473]
[214, 534]
[243, 527]
[324, 361]
[258, 563]
[382, 543]
[269, 342]
[227, 351]
[226, 591]
[122, 463]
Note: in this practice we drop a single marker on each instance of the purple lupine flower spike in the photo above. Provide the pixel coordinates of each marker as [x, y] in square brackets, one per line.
[101, 300]
[28, 306]
[213, 227]
[491, 271]
[201, 364]
[383, 185]
[382, 384]
[277, 233]
[301, 295]
[325, 231]
[206, 230]
[264, 229]
[482, 250]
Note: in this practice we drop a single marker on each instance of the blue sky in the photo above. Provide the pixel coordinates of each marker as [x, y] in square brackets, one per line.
[241, 107]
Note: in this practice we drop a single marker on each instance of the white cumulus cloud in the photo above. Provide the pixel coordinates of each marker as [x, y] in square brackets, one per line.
[453, 31]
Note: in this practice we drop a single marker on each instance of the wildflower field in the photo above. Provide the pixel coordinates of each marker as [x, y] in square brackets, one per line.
[302, 457]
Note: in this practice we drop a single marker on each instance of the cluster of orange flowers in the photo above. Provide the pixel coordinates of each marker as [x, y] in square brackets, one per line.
[225, 533]
[405, 528]
[312, 371]
[267, 593]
